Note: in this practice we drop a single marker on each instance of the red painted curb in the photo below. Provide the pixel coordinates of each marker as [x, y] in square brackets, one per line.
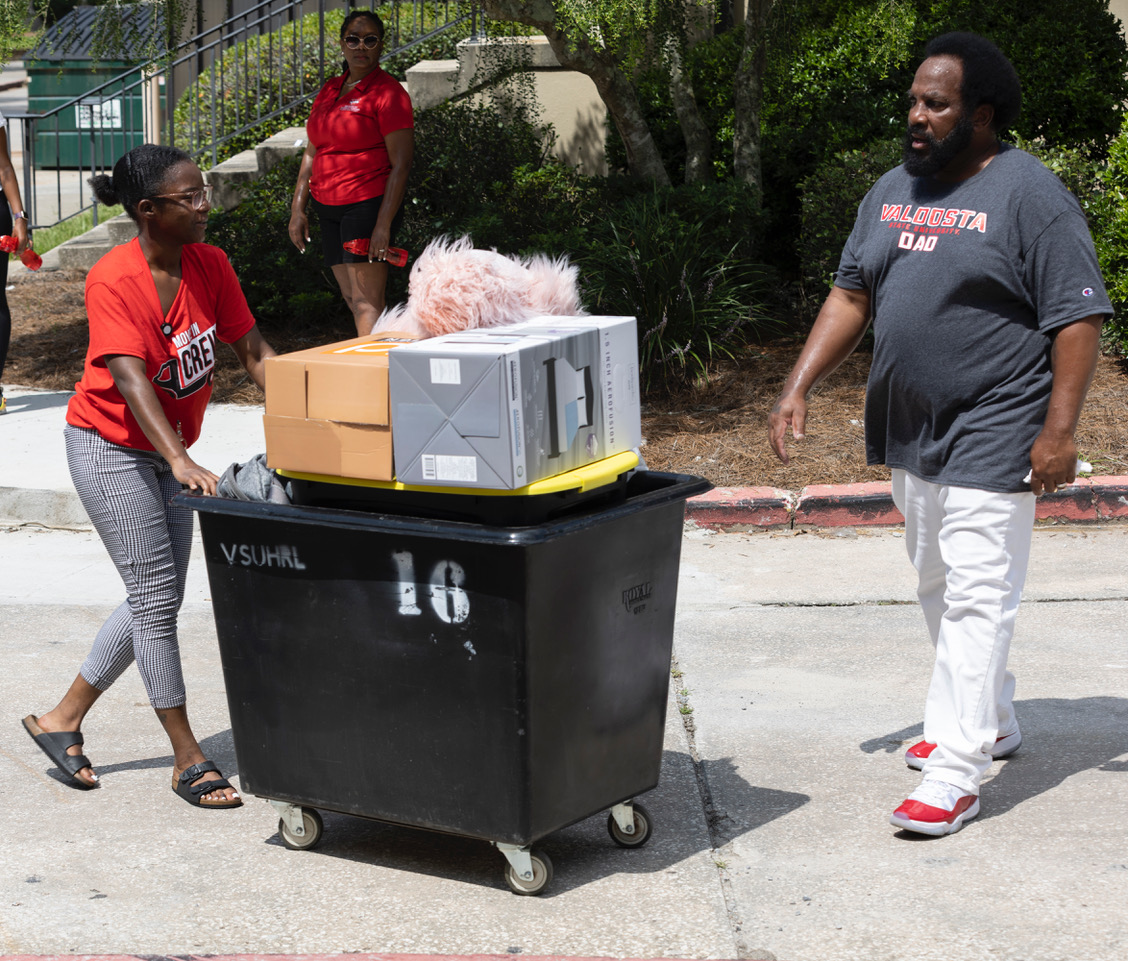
[1092, 501]
[751, 506]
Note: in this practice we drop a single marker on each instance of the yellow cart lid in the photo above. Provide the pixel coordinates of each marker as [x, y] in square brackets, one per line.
[599, 473]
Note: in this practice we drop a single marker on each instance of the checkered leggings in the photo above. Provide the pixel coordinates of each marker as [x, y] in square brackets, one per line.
[126, 492]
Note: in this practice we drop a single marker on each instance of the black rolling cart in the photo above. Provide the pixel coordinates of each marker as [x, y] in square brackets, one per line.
[482, 679]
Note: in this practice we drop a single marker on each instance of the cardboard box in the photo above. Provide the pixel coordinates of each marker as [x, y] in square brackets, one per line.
[327, 408]
[506, 407]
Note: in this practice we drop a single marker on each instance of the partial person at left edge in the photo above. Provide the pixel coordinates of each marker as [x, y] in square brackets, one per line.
[157, 306]
[13, 223]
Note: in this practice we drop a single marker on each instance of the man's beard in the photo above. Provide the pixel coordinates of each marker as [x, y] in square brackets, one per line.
[940, 152]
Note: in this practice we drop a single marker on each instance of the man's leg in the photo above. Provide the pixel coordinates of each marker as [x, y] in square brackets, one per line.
[970, 549]
[984, 542]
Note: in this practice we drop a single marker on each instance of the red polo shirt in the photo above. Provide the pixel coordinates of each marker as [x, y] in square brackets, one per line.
[352, 163]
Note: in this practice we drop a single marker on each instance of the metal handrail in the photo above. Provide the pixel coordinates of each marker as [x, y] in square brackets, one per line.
[205, 53]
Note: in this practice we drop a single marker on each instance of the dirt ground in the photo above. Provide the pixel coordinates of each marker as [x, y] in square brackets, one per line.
[717, 431]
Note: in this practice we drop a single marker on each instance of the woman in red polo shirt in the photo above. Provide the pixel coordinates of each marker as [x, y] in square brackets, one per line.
[159, 307]
[361, 141]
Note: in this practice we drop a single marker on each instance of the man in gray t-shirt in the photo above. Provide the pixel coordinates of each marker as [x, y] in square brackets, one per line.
[978, 271]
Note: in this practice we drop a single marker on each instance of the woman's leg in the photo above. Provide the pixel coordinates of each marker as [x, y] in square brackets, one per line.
[363, 285]
[127, 494]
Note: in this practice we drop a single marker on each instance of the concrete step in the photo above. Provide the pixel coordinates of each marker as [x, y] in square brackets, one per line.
[82, 252]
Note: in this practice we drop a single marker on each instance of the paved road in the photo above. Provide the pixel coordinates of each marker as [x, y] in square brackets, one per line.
[802, 666]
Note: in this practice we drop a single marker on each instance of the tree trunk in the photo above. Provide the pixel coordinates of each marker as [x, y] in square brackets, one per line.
[748, 91]
[578, 53]
[698, 139]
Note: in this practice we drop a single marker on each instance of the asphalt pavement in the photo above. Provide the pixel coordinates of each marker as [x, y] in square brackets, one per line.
[800, 667]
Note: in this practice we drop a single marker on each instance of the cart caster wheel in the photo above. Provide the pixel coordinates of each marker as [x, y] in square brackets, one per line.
[312, 823]
[641, 829]
[542, 875]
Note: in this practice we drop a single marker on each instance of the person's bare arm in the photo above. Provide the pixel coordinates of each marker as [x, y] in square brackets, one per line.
[299, 219]
[252, 349]
[839, 328]
[11, 185]
[1053, 457]
[401, 151]
[129, 376]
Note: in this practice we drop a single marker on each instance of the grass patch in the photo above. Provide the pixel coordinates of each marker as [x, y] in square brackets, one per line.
[48, 237]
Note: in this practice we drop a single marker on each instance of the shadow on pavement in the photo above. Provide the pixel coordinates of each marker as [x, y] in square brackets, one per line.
[1061, 737]
[581, 853]
[40, 400]
[218, 747]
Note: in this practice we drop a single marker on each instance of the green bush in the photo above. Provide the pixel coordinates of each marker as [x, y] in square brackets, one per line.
[675, 261]
[466, 158]
[285, 290]
[1101, 187]
[829, 204]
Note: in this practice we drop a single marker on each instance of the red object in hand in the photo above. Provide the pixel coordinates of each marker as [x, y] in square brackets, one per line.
[31, 260]
[396, 256]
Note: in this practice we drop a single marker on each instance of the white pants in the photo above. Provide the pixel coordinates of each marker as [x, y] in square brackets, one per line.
[970, 549]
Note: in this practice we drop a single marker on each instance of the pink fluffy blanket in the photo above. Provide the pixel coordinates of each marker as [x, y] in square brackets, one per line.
[455, 287]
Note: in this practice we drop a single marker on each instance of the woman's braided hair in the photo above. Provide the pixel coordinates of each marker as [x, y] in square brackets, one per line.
[139, 174]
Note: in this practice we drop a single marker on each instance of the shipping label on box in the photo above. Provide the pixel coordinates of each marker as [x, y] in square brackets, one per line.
[499, 408]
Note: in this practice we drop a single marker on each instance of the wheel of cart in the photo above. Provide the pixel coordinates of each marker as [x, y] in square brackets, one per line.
[629, 825]
[528, 872]
[300, 828]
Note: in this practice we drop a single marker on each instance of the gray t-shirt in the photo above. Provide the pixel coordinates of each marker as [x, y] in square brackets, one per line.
[968, 282]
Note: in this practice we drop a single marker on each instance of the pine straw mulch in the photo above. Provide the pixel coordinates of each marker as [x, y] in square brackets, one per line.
[717, 431]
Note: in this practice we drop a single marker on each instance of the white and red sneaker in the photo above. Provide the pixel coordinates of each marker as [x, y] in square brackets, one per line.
[1005, 746]
[936, 807]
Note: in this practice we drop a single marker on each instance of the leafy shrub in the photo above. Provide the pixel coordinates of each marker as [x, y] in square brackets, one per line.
[285, 290]
[668, 263]
[829, 203]
[1101, 187]
[466, 158]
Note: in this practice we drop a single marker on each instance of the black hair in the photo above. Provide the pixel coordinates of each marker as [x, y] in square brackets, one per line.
[357, 15]
[988, 76]
[139, 174]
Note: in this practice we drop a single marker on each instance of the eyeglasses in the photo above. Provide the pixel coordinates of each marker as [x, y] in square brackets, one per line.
[196, 199]
[352, 41]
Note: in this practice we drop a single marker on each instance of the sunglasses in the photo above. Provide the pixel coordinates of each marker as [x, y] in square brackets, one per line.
[196, 199]
[352, 41]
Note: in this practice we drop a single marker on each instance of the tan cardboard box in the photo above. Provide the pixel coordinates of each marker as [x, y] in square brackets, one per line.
[327, 408]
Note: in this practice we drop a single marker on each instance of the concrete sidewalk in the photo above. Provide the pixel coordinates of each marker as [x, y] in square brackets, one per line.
[800, 671]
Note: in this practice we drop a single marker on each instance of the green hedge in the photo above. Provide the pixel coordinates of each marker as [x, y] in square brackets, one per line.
[682, 260]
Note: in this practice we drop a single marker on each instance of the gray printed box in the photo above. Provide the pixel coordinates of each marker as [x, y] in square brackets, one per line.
[501, 408]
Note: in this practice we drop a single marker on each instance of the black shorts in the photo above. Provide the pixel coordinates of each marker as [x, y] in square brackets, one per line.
[342, 222]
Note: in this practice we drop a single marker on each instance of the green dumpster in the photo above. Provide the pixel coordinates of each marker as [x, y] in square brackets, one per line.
[85, 124]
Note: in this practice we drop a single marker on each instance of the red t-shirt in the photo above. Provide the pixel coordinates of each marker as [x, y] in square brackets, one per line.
[351, 162]
[125, 317]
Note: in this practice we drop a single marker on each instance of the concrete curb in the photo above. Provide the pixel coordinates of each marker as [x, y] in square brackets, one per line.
[1092, 500]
